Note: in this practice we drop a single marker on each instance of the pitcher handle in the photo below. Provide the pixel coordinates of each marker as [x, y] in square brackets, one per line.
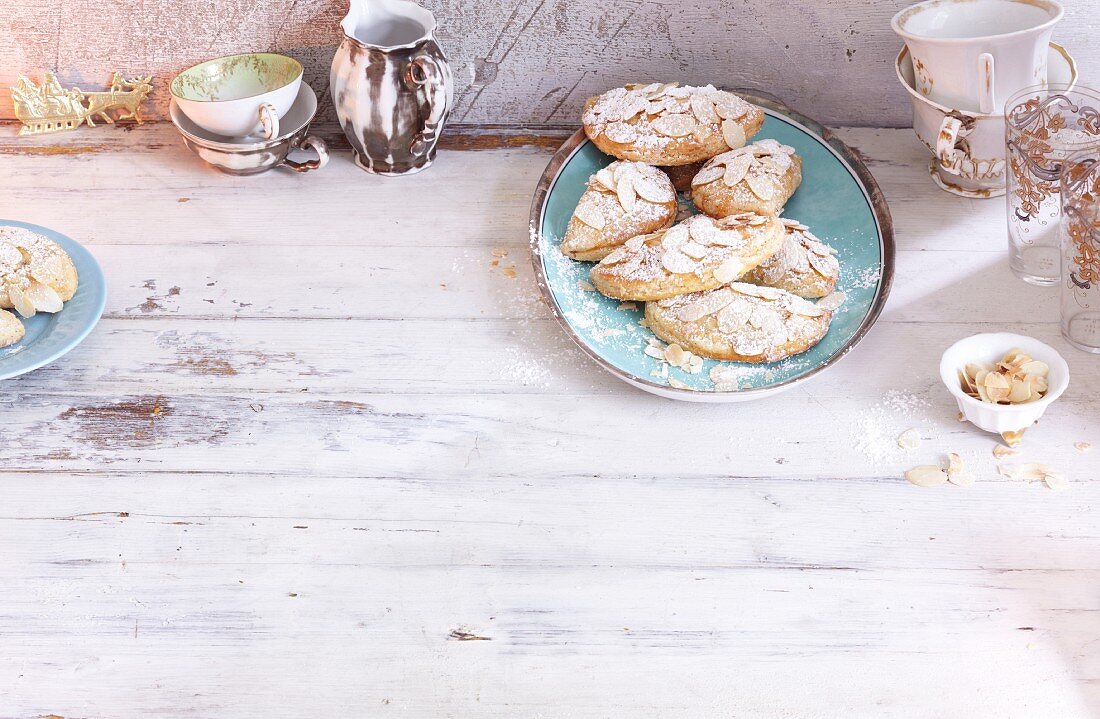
[309, 142]
[425, 72]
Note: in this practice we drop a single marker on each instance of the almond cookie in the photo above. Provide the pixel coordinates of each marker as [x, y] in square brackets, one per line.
[682, 175]
[700, 253]
[760, 178]
[804, 264]
[740, 322]
[623, 200]
[11, 329]
[36, 275]
[663, 124]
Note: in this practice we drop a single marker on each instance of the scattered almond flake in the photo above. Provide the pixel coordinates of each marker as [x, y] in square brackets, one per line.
[627, 305]
[832, 301]
[957, 473]
[927, 475]
[585, 286]
[1054, 480]
[1000, 451]
[1082, 446]
[494, 263]
[654, 352]
[499, 252]
[1031, 471]
[909, 439]
[675, 355]
[673, 382]
[1013, 438]
[509, 271]
[961, 417]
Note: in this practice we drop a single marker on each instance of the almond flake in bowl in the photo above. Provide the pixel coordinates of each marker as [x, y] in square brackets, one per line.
[1003, 382]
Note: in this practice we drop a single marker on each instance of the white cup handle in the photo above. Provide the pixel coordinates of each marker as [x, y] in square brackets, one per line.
[269, 121]
[987, 88]
[945, 142]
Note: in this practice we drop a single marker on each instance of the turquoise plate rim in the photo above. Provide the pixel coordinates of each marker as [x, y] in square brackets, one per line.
[851, 161]
[92, 281]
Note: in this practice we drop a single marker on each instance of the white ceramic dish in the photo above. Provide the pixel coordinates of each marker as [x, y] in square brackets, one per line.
[991, 347]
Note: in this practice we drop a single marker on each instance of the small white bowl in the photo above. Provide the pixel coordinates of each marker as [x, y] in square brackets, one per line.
[991, 347]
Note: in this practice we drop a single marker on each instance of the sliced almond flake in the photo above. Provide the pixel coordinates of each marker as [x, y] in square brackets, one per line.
[1082, 446]
[673, 382]
[664, 370]
[1000, 451]
[833, 301]
[961, 417]
[584, 286]
[695, 365]
[21, 302]
[736, 169]
[677, 262]
[624, 188]
[733, 133]
[654, 352]
[617, 255]
[707, 175]
[765, 187]
[728, 105]
[694, 250]
[675, 355]
[606, 178]
[652, 190]
[1035, 367]
[674, 125]
[1054, 480]
[1032, 471]
[729, 270]
[805, 308]
[909, 439]
[957, 474]
[675, 237]
[619, 132]
[824, 266]
[703, 108]
[590, 214]
[927, 475]
[1013, 438]
[499, 252]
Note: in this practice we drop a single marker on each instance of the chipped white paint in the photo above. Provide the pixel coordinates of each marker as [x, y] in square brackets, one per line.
[299, 471]
[530, 62]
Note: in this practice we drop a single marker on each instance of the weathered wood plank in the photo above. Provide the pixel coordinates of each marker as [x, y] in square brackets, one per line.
[520, 62]
[215, 592]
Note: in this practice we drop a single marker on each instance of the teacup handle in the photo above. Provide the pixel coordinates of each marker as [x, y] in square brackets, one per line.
[945, 143]
[987, 88]
[269, 121]
[425, 72]
[309, 142]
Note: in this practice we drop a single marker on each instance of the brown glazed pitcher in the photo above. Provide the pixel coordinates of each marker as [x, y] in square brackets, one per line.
[391, 85]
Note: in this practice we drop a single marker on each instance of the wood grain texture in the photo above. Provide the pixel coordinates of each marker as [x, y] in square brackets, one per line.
[530, 62]
[322, 457]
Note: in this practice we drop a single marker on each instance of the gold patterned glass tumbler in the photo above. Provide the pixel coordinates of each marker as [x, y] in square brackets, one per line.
[1044, 125]
[1080, 236]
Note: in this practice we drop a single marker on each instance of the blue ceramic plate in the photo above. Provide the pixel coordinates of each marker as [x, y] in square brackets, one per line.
[838, 200]
[49, 336]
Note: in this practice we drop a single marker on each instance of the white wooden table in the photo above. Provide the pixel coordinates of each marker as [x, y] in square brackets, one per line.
[321, 458]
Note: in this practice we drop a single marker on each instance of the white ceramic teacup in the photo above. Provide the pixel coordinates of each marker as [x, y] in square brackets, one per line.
[239, 95]
[973, 55]
[969, 148]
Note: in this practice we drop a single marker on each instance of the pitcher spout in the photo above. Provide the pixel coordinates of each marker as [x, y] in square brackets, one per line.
[387, 24]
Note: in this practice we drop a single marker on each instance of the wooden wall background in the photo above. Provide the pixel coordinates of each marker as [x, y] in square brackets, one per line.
[517, 62]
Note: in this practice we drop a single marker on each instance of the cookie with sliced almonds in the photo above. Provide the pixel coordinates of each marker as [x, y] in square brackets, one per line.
[11, 329]
[760, 177]
[36, 275]
[804, 264]
[700, 253]
[623, 200]
[739, 322]
[665, 124]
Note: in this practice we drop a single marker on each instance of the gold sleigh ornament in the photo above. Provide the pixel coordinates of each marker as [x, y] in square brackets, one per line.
[51, 108]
